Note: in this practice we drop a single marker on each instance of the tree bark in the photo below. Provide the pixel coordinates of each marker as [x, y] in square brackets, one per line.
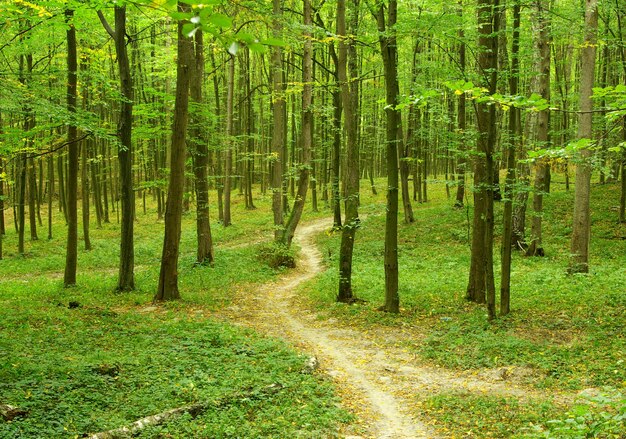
[168, 276]
[389, 51]
[581, 232]
[71, 256]
[229, 140]
[307, 126]
[126, 277]
[481, 286]
[199, 149]
[513, 139]
[541, 86]
[278, 130]
[347, 87]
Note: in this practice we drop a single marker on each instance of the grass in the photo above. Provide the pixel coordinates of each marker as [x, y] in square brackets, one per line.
[568, 330]
[115, 358]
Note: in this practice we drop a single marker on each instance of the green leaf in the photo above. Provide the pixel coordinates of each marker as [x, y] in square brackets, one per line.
[273, 42]
[219, 20]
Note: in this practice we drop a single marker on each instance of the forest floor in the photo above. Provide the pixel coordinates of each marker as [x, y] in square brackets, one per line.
[377, 379]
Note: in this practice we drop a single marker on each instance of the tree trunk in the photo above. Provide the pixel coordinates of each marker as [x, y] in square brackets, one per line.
[71, 255]
[579, 259]
[481, 286]
[461, 123]
[229, 140]
[168, 276]
[348, 89]
[307, 126]
[541, 86]
[126, 278]
[514, 138]
[199, 149]
[32, 195]
[389, 51]
[278, 130]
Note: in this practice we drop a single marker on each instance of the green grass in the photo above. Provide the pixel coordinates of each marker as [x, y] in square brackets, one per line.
[115, 359]
[464, 415]
[568, 330]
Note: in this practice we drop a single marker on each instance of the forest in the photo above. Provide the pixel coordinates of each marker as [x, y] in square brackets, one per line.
[316, 218]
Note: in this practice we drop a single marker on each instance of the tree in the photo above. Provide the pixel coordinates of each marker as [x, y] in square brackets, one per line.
[278, 125]
[126, 277]
[307, 126]
[541, 86]
[168, 275]
[71, 254]
[481, 286]
[581, 231]
[200, 154]
[514, 129]
[351, 223]
[389, 50]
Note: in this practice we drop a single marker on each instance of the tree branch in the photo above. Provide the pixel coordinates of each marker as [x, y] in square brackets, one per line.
[106, 24]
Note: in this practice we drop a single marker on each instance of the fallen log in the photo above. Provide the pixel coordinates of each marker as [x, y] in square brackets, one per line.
[9, 412]
[194, 410]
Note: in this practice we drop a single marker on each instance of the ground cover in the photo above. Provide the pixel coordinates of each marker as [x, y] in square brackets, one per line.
[85, 359]
[565, 333]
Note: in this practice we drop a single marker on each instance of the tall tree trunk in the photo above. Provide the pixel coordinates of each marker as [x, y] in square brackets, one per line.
[621, 13]
[168, 276]
[71, 254]
[307, 126]
[278, 130]
[481, 286]
[199, 149]
[513, 139]
[336, 159]
[348, 91]
[229, 140]
[579, 259]
[126, 277]
[85, 193]
[541, 86]
[461, 123]
[389, 51]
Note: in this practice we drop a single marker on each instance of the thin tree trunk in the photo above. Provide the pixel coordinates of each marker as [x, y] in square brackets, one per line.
[542, 88]
[71, 255]
[229, 140]
[278, 133]
[307, 126]
[348, 90]
[514, 136]
[126, 278]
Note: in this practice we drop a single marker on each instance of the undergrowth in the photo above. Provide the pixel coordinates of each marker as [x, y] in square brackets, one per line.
[567, 330]
[85, 359]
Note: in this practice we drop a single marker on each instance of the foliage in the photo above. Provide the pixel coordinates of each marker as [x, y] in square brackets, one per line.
[600, 415]
[110, 359]
[466, 415]
[277, 255]
[566, 331]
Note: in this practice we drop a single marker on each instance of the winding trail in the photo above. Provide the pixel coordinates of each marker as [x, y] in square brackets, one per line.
[377, 380]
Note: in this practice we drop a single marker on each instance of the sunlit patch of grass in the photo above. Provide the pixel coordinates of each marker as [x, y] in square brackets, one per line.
[463, 415]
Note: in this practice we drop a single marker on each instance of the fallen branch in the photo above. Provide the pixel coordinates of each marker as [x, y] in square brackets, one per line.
[194, 410]
[148, 421]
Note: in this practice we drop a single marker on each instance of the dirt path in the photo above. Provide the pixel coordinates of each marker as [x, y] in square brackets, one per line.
[377, 380]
